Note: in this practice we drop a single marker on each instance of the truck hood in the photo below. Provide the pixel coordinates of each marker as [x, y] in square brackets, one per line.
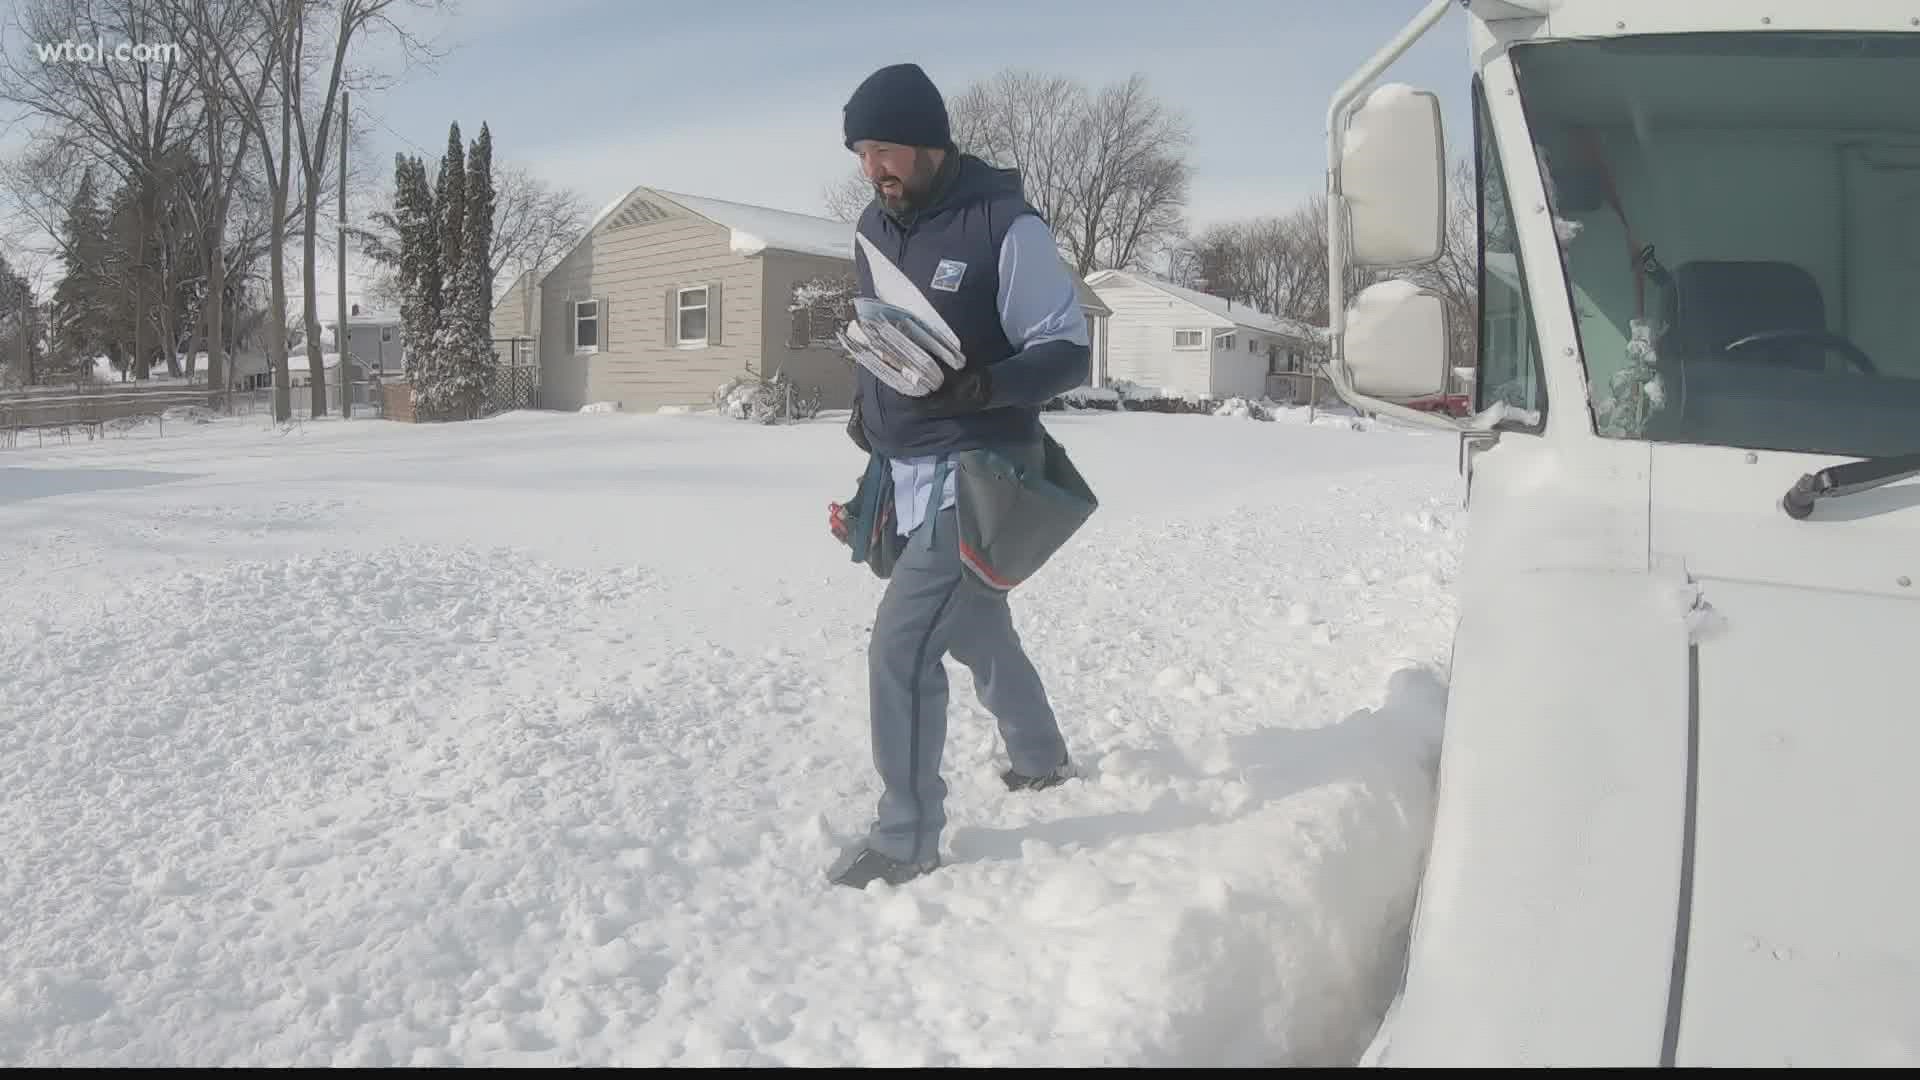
[1798, 943]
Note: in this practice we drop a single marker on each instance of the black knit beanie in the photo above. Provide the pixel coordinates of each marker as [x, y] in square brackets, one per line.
[898, 104]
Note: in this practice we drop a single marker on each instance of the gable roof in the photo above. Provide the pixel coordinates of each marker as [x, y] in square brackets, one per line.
[1242, 315]
[756, 228]
[1090, 300]
[752, 229]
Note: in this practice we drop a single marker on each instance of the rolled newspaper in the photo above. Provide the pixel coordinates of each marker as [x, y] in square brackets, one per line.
[899, 348]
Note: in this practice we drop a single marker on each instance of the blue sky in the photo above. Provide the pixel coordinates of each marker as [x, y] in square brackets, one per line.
[603, 95]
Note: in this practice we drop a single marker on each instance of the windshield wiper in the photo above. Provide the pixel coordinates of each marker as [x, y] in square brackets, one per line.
[1847, 479]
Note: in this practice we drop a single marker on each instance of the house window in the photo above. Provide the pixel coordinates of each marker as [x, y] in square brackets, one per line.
[586, 326]
[1226, 342]
[386, 333]
[1189, 339]
[693, 316]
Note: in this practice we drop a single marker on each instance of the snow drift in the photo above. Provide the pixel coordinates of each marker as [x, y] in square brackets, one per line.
[528, 741]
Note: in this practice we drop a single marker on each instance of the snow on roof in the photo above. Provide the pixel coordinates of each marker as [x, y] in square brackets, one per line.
[1091, 300]
[1240, 314]
[756, 228]
[365, 318]
[608, 209]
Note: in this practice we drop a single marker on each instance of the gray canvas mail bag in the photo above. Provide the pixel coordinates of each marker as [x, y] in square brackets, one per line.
[1017, 509]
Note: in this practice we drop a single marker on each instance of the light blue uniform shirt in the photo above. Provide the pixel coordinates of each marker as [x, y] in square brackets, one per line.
[1039, 301]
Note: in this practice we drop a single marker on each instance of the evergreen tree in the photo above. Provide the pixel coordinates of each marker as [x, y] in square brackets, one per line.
[19, 359]
[478, 253]
[419, 272]
[450, 203]
[433, 275]
[465, 341]
[80, 300]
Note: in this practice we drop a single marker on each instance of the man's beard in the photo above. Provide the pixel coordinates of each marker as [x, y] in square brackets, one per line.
[912, 188]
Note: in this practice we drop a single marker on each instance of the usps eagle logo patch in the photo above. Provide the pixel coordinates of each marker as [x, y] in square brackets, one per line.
[946, 276]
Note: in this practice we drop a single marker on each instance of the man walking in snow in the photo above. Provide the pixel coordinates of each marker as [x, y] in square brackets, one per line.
[963, 234]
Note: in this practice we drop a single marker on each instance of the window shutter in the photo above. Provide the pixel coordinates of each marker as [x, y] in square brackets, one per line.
[713, 313]
[673, 317]
[606, 323]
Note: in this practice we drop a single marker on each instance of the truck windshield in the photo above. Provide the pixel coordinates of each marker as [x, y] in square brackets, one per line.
[1740, 228]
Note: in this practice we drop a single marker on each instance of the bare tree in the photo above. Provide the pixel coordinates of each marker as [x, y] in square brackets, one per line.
[1456, 274]
[1041, 125]
[847, 198]
[351, 18]
[1129, 182]
[230, 119]
[1278, 264]
[533, 223]
[245, 52]
[1274, 264]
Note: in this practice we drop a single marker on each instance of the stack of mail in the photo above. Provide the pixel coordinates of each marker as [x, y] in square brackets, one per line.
[900, 348]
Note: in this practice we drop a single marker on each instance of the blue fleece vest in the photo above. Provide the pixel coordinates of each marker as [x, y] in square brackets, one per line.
[951, 251]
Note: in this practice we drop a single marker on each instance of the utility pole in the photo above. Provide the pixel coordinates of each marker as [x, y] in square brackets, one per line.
[346, 336]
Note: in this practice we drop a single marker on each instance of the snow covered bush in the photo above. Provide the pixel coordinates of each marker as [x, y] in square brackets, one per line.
[1244, 407]
[821, 305]
[765, 401]
[1124, 396]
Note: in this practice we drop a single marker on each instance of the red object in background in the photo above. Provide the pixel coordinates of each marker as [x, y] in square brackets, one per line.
[1451, 404]
[837, 521]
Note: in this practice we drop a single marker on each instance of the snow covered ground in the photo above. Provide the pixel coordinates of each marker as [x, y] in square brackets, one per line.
[528, 741]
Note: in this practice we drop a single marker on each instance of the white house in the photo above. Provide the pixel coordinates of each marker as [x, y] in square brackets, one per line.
[300, 380]
[1187, 342]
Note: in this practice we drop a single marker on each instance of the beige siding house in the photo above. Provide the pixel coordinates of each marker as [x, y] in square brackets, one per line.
[1161, 335]
[668, 296]
[517, 314]
[516, 322]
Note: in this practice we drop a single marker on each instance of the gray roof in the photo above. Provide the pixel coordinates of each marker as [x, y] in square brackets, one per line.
[1244, 315]
[1090, 301]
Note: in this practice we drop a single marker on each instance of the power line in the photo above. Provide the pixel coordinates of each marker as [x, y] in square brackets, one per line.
[382, 121]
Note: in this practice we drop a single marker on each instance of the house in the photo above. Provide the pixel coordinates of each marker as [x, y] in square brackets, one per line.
[1099, 316]
[248, 369]
[667, 296]
[373, 340]
[1187, 342]
[300, 381]
[517, 312]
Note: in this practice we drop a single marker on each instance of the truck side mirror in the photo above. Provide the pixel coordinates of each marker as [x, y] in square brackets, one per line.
[1393, 178]
[1396, 343]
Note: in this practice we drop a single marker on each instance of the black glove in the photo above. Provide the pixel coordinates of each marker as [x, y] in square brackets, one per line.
[856, 430]
[964, 391]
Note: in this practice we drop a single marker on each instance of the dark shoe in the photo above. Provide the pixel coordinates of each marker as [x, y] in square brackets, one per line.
[865, 866]
[1061, 773]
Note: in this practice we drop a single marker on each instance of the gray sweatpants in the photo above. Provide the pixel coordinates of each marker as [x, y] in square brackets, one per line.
[933, 607]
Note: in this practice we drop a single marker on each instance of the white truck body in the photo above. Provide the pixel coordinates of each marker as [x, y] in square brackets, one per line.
[1677, 821]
